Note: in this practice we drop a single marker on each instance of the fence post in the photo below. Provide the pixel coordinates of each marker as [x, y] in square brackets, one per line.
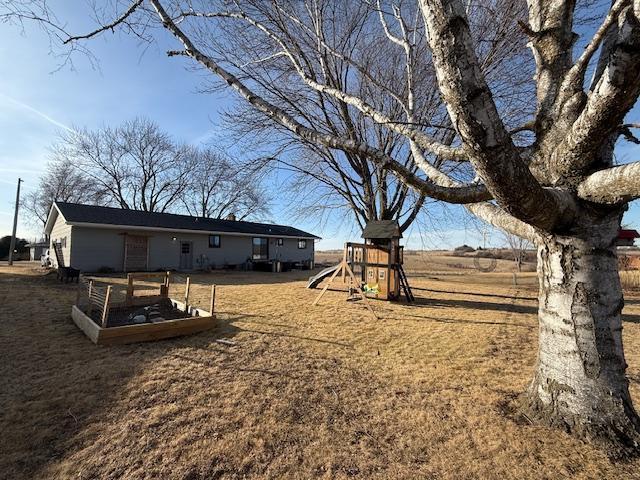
[167, 282]
[129, 297]
[90, 307]
[79, 293]
[105, 310]
[186, 294]
[213, 299]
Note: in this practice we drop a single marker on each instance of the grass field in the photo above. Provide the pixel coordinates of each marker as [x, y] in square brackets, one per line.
[428, 391]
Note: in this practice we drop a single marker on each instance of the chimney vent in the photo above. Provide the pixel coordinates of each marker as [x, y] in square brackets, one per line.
[231, 216]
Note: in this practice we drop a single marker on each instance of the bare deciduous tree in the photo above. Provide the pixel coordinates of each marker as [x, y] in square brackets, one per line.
[135, 165]
[518, 246]
[384, 66]
[62, 182]
[218, 187]
[561, 189]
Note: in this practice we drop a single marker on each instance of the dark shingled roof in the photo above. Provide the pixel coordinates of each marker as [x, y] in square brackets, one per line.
[382, 229]
[77, 213]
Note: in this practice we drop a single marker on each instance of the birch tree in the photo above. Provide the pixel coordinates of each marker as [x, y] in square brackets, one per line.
[561, 189]
[380, 57]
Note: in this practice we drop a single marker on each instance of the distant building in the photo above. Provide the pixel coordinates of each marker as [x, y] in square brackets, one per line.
[92, 238]
[627, 237]
[37, 249]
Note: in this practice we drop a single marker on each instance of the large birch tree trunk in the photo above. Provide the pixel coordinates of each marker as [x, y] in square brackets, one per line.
[580, 382]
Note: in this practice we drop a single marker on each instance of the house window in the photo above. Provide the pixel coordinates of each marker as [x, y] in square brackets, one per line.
[63, 242]
[280, 242]
[302, 244]
[214, 241]
[260, 248]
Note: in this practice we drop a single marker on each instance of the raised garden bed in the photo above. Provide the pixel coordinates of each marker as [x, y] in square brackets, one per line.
[138, 319]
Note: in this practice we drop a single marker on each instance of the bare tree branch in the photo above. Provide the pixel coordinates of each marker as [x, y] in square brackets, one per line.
[473, 112]
[419, 137]
[110, 26]
[613, 185]
[453, 195]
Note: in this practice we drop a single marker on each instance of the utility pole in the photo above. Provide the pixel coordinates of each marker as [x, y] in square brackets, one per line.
[15, 224]
[485, 232]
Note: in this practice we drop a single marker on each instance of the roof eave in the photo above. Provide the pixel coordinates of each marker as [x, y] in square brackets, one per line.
[48, 226]
[207, 232]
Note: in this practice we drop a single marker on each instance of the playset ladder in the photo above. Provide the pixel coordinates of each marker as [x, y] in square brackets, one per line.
[404, 283]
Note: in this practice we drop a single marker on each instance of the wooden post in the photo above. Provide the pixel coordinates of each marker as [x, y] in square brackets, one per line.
[344, 259]
[78, 293]
[186, 294]
[105, 310]
[389, 271]
[129, 289]
[213, 299]
[164, 288]
[90, 307]
[362, 294]
[335, 274]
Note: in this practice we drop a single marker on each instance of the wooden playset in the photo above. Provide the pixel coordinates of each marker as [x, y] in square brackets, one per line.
[138, 318]
[372, 269]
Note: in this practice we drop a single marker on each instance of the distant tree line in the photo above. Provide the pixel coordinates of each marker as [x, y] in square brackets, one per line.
[5, 245]
[140, 167]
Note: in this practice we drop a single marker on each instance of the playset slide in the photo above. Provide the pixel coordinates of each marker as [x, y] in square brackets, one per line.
[315, 280]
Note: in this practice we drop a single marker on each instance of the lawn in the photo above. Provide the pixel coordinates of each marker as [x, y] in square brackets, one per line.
[298, 391]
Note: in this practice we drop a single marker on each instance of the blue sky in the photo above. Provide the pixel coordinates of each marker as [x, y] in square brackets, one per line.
[36, 102]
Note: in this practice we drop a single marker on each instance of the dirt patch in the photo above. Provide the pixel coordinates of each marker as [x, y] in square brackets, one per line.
[119, 316]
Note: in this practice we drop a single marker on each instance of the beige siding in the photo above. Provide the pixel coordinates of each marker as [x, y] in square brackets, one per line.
[61, 232]
[94, 248]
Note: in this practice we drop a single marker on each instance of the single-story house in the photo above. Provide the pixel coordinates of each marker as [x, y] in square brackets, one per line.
[93, 238]
[36, 250]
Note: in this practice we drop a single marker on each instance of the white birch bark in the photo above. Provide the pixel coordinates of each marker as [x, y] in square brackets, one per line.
[580, 383]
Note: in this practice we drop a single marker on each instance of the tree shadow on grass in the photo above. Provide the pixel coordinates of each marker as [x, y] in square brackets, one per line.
[476, 305]
[459, 321]
[59, 390]
[227, 324]
[631, 318]
[474, 294]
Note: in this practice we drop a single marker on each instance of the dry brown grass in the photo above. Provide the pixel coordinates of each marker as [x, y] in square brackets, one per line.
[630, 279]
[429, 391]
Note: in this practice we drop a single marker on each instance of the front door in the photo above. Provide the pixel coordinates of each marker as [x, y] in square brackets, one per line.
[186, 256]
[135, 253]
